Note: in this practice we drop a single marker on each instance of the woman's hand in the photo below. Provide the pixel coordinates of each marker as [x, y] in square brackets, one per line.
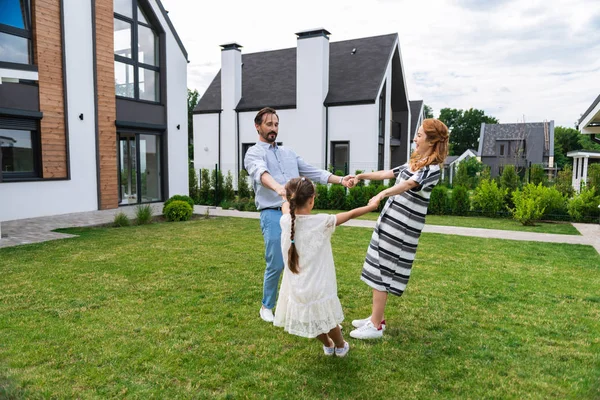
[376, 200]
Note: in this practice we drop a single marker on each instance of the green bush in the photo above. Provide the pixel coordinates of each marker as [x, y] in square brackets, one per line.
[178, 210]
[204, 192]
[460, 202]
[509, 182]
[593, 177]
[193, 183]
[337, 197]
[564, 182]
[537, 174]
[178, 197]
[243, 187]
[356, 197]
[528, 206]
[121, 220]
[361, 183]
[321, 199]
[216, 187]
[439, 202]
[584, 206]
[228, 192]
[143, 214]
[488, 198]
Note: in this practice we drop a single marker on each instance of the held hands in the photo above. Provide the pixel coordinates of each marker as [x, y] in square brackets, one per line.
[348, 181]
[375, 200]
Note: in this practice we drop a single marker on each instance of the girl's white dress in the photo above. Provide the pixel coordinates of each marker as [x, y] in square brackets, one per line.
[308, 304]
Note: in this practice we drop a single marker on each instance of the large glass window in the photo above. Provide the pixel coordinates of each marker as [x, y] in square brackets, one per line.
[340, 156]
[15, 32]
[137, 65]
[140, 172]
[18, 152]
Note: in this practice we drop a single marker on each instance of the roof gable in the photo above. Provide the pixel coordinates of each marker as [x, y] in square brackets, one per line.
[269, 78]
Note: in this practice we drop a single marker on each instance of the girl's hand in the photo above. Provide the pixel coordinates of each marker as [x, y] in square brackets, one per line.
[375, 200]
[356, 180]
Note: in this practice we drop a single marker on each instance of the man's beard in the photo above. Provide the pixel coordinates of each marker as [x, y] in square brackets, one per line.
[266, 137]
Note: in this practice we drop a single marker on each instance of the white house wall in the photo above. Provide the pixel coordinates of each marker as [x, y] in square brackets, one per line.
[176, 110]
[359, 125]
[206, 141]
[34, 199]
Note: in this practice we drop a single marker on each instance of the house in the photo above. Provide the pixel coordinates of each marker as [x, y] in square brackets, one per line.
[341, 104]
[588, 124]
[85, 122]
[519, 144]
[450, 166]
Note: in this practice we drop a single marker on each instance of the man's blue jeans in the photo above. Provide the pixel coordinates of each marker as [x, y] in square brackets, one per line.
[271, 230]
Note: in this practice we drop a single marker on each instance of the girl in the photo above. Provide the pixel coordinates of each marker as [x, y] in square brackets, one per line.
[394, 241]
[308, 305]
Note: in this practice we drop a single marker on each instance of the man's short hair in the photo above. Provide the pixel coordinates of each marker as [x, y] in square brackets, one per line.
[259, 116]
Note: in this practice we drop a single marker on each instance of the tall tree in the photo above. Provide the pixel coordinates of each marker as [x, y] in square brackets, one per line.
[428, 111]
[565, 140]
[465, 127]
[192, 102]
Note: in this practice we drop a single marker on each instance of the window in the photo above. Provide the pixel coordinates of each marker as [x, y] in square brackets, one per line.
[396, 130]
[136, 46]
[501, 149]
[19, 149]
[15, 32]
[340, 156]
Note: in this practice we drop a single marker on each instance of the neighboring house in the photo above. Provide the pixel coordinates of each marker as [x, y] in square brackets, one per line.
[450, 166]
[342, 104]
[93, 110]
[588, 124]
[520, 144]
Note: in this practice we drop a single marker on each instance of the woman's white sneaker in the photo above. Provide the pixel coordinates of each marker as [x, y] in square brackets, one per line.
[357, 323]
[367, 331]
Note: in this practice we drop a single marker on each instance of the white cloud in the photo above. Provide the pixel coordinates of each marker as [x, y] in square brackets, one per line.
[534, 59]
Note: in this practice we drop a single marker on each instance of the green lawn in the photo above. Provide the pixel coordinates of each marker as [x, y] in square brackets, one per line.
[505, 224]
[170, 311]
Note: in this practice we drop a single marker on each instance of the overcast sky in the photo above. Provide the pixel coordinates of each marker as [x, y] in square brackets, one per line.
[517, 60]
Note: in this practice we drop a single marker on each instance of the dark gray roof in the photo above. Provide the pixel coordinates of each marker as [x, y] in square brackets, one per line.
[449, 160]
[416, 107]
[589, 110]
[532, 132]
[269, 78]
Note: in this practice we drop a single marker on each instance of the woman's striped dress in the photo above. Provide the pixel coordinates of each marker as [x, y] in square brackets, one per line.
[394, 242]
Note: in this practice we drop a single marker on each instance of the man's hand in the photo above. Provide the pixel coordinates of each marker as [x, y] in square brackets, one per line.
[348, 181]
[280, 190]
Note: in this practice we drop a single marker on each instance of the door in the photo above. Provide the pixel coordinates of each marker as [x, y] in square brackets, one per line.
[140, 175]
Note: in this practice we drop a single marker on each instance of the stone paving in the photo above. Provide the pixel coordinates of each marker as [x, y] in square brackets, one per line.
[35, 230]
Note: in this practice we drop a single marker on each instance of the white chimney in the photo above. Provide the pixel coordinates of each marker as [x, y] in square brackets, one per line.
[312, 85]
[231, 93]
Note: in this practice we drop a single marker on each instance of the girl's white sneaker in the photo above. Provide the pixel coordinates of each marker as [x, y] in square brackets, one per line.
[343, 351]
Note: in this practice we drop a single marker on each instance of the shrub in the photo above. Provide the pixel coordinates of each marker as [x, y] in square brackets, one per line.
[356, 197]
[193, 183]
[204, 192]
[321, 200]
[120, 220]
[593, 178]
[178, 210]
[564, 181]
[528, 205]
[460, 202]
[250, 206]
[553, 202]
[489, 198]
[509, 181]
[439, 202]
[216, 187]
[243, 187]
[584, 206]
[337, 197]
[537, 174]
[143, 214]
[461, 178]
[178, 197]
[361, 183]
[228, 193]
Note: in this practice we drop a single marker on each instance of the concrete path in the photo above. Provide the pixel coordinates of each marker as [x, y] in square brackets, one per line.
[36, 230]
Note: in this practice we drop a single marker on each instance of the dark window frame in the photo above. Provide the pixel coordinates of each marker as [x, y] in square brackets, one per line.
[35, 149]
[134, 61]
[334, 143]
[25, 33]
[381, 132]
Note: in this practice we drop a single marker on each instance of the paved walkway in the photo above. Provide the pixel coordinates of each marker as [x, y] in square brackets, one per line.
[36, 230]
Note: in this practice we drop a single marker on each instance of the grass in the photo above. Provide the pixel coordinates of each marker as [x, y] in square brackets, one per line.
[504, 224]
[171, 311]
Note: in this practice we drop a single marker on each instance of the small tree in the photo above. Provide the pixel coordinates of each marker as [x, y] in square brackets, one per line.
[537, 174]
[462, 176]
[228, 193]
[322, 198]
[439, 202]
[204, 192]
[509, 182]
[593, 178]
[243, 187]
[193, 183]
[489, 198]
[460, 203]
[216, 186]
[564, 182]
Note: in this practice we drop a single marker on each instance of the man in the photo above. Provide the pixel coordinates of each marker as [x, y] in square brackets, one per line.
[271, 167]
